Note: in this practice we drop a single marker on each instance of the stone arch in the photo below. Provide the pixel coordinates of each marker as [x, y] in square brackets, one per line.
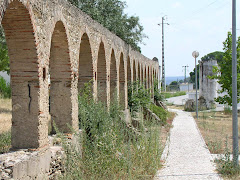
[60, 79]
[121, 81]
[24, 71]
[134, 71]
[102, 74]
[129, 70]
[113, 76]
[85, 69]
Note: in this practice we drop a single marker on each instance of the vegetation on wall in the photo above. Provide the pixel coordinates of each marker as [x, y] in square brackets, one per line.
[110, 148]
[110, 13]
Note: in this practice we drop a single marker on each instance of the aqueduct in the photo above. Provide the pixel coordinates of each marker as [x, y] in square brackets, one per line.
[52, 37]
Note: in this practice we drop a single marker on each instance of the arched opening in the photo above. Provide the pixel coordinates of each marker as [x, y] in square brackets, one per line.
[85, 63]
[149, 78]
[102, 75]
[113, 77]
[145, 77]
[142, 75]
[129, 79]
[139, 73]
[134, 71]
[122, 82]
[60, 80]
[22, 51]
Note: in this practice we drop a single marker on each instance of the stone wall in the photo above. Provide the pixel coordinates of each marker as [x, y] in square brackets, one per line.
[54, 41]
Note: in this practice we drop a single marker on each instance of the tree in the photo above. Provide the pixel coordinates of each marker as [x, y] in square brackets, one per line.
[224, 71]
[4, 59]
[217, 55]
[110, 13]
[192, 76]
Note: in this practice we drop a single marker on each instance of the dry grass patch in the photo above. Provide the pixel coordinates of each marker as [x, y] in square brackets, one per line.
[5, 115]
[216, 129]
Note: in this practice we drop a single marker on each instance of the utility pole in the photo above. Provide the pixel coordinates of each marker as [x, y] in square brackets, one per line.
[234, 87]
[163, 61]
[185, 73]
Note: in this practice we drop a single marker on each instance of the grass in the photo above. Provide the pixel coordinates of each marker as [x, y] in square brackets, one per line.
[111, 149]
[174, 94]
[5, 115]
[216, 129]
[5, 142]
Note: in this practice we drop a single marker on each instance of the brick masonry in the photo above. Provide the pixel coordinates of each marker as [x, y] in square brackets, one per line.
[54, 38]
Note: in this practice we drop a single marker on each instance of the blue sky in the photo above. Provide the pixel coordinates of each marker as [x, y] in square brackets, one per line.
[200, 25]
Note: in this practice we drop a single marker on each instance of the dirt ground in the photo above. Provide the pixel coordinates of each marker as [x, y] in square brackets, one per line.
[5, 115]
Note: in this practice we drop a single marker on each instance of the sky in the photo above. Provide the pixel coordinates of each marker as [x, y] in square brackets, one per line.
[200, 25]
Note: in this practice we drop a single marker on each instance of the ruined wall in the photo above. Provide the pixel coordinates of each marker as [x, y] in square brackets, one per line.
[207, 87]
[53, 40]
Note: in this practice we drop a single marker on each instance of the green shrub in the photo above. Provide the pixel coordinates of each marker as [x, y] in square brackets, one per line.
[5, 89]
[138, 96]
[5, 142]
[110, 149]
[160, 112]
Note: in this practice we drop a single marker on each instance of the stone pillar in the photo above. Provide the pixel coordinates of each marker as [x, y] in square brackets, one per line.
[207, 87]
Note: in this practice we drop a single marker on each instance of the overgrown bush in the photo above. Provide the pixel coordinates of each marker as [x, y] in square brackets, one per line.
[160, 112]
[5, 142]
[138, 96]
[157, 94]
[5, 89]
[110, 149]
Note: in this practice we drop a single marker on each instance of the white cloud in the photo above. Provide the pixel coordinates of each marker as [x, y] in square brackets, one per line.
[177, 5]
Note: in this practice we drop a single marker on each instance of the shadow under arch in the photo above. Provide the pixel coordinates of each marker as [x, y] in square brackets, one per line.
[60, 79]
[134, 71]
[102, 75]
[22, 51]
[122, 82]
[113, 76]
[129, 79]
[85, 63]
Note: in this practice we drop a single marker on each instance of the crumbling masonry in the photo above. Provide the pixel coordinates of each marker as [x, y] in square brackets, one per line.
[52, 38]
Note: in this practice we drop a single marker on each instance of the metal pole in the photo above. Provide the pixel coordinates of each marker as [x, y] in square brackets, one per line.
[196, 87]
[234, 87]
[163, 62]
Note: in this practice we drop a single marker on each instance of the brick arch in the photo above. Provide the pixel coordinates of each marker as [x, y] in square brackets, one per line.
[134, 71]
[85, 62]
[60, 79]
[22, 51]
[122, 81]
[128, 70]
[102, 74]
[113, 76]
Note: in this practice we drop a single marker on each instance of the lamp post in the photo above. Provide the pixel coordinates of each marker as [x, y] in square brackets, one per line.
[234, 87]
[195, 54]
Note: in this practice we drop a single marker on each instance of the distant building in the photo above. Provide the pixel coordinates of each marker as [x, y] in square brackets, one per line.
[186, 87]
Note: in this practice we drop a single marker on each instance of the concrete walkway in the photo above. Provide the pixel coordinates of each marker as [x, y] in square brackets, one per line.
[186, 155]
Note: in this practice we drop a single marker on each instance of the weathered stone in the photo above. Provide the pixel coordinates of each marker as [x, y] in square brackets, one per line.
[53, 37]
[189, 105]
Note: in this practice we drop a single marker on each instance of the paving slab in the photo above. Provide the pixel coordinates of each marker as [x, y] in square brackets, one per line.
[186, 155]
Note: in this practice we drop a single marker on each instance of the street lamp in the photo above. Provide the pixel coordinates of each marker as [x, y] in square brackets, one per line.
[195, 54]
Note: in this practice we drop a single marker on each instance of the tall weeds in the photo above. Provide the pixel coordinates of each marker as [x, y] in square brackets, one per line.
[110, 148]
